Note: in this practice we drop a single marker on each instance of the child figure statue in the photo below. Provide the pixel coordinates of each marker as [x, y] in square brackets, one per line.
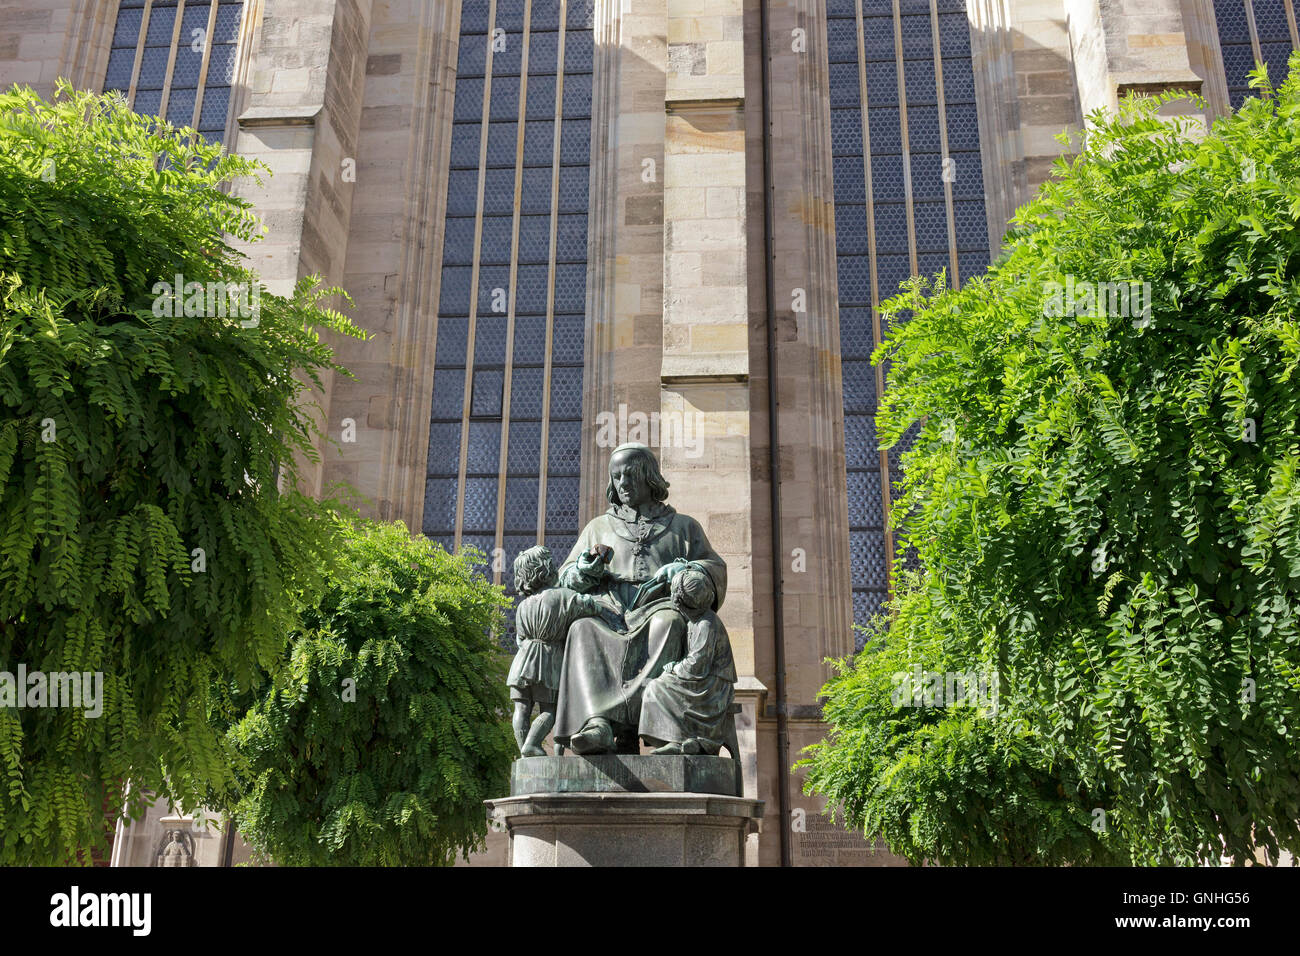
[542, 622]
[684, 710]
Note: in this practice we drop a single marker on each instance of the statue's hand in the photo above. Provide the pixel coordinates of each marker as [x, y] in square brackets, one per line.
[585, 573]
[672, 569]
[591, 565]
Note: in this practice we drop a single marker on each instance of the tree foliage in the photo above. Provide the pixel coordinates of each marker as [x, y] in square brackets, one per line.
[142, 532]
[380, 742]
[1107, 511]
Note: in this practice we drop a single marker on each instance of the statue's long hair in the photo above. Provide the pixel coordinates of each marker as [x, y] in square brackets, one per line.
[644, 464]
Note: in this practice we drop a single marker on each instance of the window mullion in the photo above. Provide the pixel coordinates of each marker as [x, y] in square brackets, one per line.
[139, 51]
[462, 466]
[944, 158]
[513, 290]
[203, 67]
[171, 60]
[543, 467]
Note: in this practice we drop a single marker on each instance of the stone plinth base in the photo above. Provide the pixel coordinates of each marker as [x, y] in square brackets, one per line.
[625, 773]
[626, 829]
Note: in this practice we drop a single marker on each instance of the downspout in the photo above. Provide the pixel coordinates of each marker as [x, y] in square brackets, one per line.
[774, 452]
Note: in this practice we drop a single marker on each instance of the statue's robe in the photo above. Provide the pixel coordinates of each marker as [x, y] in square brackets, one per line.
[691, 702]
[542, 623]
[605, 671]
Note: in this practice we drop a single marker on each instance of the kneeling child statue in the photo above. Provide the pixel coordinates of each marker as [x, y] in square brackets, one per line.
[684, 710]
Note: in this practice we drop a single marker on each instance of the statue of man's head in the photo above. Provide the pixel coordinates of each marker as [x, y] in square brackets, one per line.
[634, 477]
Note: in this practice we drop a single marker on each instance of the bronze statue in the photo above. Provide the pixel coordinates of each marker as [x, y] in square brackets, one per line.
[542, 622]
[627, 560]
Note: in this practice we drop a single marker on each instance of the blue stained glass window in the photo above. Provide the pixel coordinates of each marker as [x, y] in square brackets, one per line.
[530, 340]
[487, 393]
[444, 448]
[854, 279]
[525, 453]
[496, 238]
[153, 69]
[490, 341]
[581, 14]
[530, 289]
[577, 96]
[505, 97]
[526, 393]
[440, 506]
[147, 102]
[931, 226]
[543, 54]
[173, 57]
[848, 176]
[566, 393]
[510, 15]
[481, 506]
[448, 393]
[918, 75]
[567, 340]
[162, 22]
[931, 180]
[577, 52]
[474, 16]
[541, 97]
[521, 503]
[126, 32]
[120, 64]
[546, 16]
[1273, 33]
[180, 108]
[530, 252]
[882, 83]
[561, 504]
[536, 197]
[1271, 22]
[455, 295]
[229, 15]
[484, 448]
[565, 447]
[851, 229]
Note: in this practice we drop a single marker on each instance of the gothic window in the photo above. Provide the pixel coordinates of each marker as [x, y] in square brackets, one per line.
[507, 396]
[176, 59]
[909, 200]
[1251, 32]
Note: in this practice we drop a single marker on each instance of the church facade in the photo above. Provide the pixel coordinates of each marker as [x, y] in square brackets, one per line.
[568, 224]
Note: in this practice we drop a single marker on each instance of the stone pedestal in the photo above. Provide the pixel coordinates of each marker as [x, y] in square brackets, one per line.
[625, 810]
[626, 829]
[624, 773]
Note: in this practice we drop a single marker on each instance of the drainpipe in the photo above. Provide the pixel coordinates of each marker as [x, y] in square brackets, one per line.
[774, 451]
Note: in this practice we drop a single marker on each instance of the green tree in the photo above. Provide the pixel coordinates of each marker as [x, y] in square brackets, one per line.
[380, 742]
[144, 440]
[1105, 501]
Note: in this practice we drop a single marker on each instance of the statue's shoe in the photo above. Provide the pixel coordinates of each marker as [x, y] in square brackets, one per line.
[596, 738]
[533, 752]
[668, 748]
